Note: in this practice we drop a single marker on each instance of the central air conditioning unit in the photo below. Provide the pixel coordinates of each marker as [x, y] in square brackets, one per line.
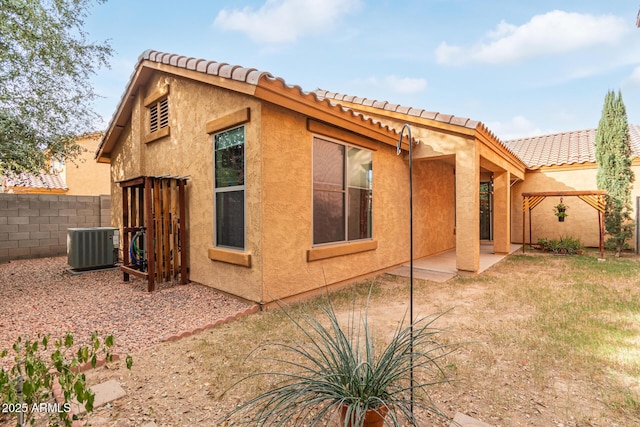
[92, 248]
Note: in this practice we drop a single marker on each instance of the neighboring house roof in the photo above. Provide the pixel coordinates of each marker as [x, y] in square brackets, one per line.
[322, 105]
[565, 148]
[30, 182]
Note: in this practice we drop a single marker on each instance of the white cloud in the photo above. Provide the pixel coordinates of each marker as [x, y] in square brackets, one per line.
[284, 21]
[553, 33]
[404, 85]
[517, 127]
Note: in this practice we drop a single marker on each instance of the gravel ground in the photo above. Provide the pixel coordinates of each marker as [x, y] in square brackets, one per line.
[39, 296]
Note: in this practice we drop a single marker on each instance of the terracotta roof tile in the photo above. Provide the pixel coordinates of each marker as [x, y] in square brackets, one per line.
[564, 148]
[234, 72]
[241, 73]
[42, 181]
[166, 58]
[459, 121]
[428, 114]
[202, 66]
[416, 112]
[379, 104]
[192, 63]
[446, 118]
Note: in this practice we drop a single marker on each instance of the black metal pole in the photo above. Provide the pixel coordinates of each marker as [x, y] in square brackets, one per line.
[399, 151]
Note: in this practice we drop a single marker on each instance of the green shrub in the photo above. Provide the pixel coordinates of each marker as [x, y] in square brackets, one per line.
[564, 245]
[26, 388]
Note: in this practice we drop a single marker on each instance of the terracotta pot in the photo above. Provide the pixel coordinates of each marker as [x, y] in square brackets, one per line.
[373, 418]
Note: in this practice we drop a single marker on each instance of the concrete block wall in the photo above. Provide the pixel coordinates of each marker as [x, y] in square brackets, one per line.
[35, 225]
[105, 210]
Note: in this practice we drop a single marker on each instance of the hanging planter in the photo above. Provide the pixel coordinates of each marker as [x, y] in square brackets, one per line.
[560, 210]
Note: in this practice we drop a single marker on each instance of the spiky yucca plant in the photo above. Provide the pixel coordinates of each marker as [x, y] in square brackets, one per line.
[337, 372]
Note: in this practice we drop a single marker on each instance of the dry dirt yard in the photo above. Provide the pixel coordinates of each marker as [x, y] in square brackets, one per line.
[515, 364]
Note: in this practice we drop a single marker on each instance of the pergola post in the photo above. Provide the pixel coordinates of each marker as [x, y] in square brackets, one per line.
[594, 198]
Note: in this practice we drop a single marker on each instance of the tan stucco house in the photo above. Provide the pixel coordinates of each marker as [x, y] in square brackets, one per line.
[80, 177]
[564, 162]
[289, 190]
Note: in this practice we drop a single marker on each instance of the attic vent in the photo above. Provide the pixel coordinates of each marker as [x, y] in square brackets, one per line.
[159, 117]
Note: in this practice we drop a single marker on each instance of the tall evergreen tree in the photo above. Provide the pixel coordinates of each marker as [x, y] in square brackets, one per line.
[46, 96]
[613, 155]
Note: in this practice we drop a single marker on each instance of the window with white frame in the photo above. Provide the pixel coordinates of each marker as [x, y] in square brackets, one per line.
[342, 192]
[229, 184]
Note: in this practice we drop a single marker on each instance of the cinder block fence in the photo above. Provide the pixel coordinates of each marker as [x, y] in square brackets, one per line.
[35, 225]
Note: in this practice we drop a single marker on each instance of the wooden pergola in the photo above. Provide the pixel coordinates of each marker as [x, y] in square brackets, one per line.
[594, 198]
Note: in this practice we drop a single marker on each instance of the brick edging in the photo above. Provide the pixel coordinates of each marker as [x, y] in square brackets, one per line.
[57, 389]
[247, 311]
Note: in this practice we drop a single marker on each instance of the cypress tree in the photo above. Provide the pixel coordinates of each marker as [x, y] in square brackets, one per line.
[613, 156]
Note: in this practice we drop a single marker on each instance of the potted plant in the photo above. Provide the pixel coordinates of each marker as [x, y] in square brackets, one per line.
[338, 373]
[560, 211]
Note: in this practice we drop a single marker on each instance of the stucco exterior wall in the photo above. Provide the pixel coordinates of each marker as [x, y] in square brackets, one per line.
[581, 220]
[434, 207]
[287, 210]
[279, 192]
[84, 176]
[188, 150]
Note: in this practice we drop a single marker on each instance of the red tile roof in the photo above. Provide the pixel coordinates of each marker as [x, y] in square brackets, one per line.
[336, 98]
[384, 105]
[221, 69]
[565, 148]
[42, 181]
[251, 76]
[261, 79]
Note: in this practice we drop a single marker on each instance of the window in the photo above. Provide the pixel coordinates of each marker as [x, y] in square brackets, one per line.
[342, 192]
[229, 186]
[159, 115]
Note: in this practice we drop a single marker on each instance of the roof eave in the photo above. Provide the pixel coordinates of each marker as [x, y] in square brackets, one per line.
[292, 97]
[123, 113]
[263, 86]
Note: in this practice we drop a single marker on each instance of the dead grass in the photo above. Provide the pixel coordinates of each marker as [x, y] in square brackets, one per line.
[547, 340]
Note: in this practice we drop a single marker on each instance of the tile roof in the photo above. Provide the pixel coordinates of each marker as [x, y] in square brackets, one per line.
[221, 69]
[396, 108]
[565, 148]
[44, 181]
[415, 112]
[251, 76]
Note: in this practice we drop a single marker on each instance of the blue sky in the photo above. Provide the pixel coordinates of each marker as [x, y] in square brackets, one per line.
[521, 67]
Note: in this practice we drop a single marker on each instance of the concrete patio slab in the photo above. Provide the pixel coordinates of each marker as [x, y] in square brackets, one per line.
[442, 267]
[422, 274]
